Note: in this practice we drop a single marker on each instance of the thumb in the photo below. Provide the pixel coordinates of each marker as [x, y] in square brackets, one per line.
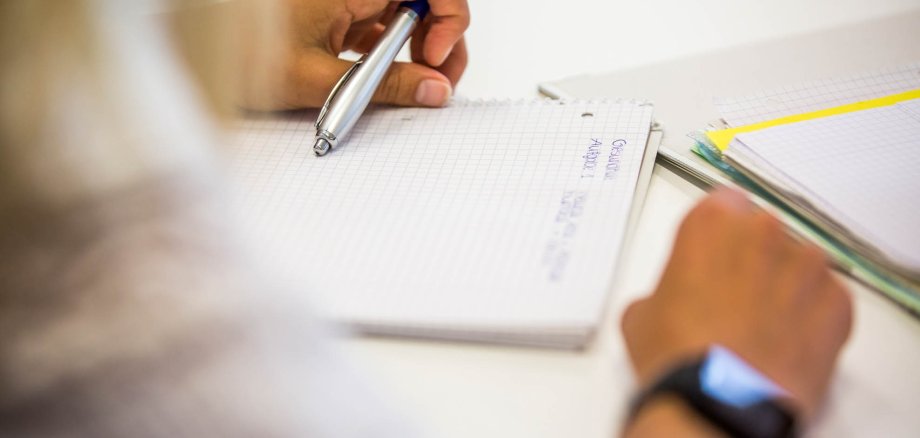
[411, 84]
[405, 84]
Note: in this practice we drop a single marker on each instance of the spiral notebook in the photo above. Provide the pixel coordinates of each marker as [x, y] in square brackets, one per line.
[855, 172]
[840, 154]
[482, 221]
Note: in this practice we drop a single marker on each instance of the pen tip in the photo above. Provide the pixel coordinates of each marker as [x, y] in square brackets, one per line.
[321, 147]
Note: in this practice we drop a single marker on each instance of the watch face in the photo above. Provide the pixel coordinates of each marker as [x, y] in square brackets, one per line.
[729, 379]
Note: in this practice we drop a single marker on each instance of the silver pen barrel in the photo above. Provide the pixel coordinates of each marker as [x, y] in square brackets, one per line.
[354, 91]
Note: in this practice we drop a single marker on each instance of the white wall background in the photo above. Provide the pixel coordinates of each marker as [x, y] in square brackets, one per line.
[515, 44]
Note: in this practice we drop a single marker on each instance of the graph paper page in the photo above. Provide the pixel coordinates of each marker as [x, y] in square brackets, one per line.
[483, 215]
[859, 168]
[818, 95]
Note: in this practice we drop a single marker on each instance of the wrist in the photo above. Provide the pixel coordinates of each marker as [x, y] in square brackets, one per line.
[728, 393]
[668, 415]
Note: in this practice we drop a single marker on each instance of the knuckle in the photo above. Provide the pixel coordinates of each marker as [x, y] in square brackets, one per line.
[462, 14]
[703, 219]
[811, 263]
[464, 21]
[392, 89]
[695, 221]
[706, 211]
[766, 220]
[814, 257]
[767, 225]
[717, 212]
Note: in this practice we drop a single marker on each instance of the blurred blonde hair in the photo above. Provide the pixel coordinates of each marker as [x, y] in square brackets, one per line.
[46, 43]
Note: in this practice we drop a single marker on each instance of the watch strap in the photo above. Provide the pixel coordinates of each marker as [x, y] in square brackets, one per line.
[764, 419]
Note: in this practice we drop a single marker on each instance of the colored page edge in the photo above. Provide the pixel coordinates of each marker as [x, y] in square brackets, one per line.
[722, 138]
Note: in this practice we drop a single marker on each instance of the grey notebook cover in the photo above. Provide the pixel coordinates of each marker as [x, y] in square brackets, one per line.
[683, 89]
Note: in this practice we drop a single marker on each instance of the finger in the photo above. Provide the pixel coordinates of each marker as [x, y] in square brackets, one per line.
[417, 42]
[411, 84]
[389, 12]
[455, 64]
[369, 39]
[449, 20]
[361, 32]
[365, 9]
[721, 205]
[358, 17]
[715, 216]
[406, 84]
[732, 199]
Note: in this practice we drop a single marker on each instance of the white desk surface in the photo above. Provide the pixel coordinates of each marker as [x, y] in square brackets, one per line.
[464, 390]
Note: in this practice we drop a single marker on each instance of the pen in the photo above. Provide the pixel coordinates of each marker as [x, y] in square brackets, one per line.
[351, 95]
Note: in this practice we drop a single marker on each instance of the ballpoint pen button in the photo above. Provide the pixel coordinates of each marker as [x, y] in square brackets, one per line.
[321, 147]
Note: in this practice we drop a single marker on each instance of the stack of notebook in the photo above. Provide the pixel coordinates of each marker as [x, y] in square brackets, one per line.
[841, 156]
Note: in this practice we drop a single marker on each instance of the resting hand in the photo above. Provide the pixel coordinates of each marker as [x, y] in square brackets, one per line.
[319, 30]
[736, 279]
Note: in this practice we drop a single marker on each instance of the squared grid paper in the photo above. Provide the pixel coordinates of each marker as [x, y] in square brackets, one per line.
[859, 168]
[475, 216]
[817, 95]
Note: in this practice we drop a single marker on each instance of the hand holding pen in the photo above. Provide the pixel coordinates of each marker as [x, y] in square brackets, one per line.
[352, 94]
[319, 30]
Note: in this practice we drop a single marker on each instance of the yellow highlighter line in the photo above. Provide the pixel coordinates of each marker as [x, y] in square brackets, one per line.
[723, 137]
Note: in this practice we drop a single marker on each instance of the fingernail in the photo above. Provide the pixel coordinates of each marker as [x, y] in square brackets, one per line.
[432, 92]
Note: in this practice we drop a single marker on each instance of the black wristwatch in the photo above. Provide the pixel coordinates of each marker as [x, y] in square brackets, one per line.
[729, 393]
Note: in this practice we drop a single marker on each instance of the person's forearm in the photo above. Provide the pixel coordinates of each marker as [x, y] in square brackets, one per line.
[668, 416]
